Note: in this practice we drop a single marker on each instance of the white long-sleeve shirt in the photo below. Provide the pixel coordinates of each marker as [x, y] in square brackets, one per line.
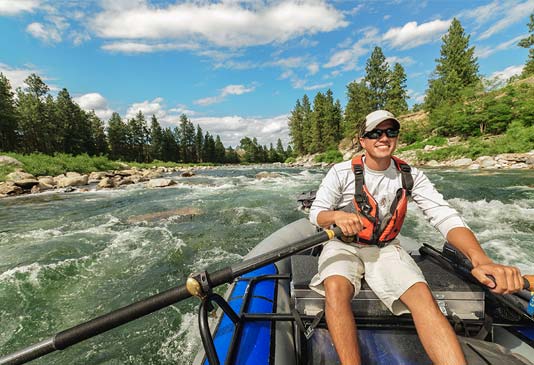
[337, 190]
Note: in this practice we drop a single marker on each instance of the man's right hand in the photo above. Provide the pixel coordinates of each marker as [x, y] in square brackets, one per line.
[349, 223]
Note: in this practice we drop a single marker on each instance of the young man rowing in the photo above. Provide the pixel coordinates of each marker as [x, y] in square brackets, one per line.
[373, 190]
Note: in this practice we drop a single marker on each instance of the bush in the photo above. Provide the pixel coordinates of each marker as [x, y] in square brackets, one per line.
[432, 141]
[330, 156]
[290, 160]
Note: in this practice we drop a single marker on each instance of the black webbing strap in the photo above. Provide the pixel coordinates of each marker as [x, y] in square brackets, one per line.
[306, 328]
[407, 179]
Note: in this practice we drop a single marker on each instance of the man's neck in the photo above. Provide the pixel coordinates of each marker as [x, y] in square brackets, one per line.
[377, 164]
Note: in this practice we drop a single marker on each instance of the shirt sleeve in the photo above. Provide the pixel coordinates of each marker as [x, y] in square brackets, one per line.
[435, 208]
[328, 195]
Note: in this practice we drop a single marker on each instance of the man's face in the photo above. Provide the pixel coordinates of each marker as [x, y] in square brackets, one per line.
[382, 147]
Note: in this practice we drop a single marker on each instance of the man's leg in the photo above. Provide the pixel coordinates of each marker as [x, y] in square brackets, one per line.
[340, 320]
[435, 332]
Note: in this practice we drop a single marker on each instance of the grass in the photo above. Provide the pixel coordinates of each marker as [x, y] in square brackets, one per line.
[437, 141]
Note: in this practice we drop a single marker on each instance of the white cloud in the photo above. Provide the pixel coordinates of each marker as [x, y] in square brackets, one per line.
[313, 68]
[416, 96]
[232, 128]
[13, 7]
[148, 108]
[299, 83]
[44, 33]
[227, 90]
[508, 72]
[402, 60]
[483, 52]
[510, 14]
[348, 58]
[16, 76]
[183, 109]
[96, 102]
[412, 35]
[143, 47]
[227, 24]
[482, 14]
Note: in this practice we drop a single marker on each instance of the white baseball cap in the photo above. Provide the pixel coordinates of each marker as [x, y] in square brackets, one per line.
[375, 118]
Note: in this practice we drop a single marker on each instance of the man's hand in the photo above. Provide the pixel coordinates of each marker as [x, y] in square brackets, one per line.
[507, 278]
[349, 223]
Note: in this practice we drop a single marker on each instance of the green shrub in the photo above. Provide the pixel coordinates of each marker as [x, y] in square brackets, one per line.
[290, 160]
[330, 156]
[432, 141]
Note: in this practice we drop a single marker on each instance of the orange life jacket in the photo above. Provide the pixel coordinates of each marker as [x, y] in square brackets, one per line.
[375, 231]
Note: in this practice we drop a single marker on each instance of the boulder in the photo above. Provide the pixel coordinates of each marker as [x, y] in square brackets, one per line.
[35, 189]
[160, 183]
[6, 160]
[19, 175]
[97, 176]
[519, 165]
[188, 173]
[462, 162]
[512, 157]
[26, 184]
[73, 174]
[267, 175]
[126, 181]
[8, 188]
[72, 180]
[152, 174]
[433, 163]
[474, 166]
[106, 183]
[46, 183]
[487, 163]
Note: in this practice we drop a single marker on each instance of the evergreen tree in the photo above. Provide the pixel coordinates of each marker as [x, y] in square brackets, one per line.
[77, 130]
[8, 117]
[231, 156]
[250, 148]
[280, 151]
[317, 123]
[377, 77]
[331, 133]
[138, 138]
[199, 142]
[208, 150]
[397, 93]
[528, 43]
[187, 139]
[219, 150]
[272, 156]
[32, 117]
[456, 69]
[358, 106]
[117, 137]
[306, 124]
[156, 139]
[98, 134]
[169, 146]
[296, 128]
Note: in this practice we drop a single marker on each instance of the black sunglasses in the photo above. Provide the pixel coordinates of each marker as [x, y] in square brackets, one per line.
[377, 133]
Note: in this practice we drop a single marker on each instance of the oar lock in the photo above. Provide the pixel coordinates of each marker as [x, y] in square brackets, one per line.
[198, 284]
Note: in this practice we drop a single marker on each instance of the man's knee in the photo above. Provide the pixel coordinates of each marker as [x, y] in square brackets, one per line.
[338, 289]
[418, 295]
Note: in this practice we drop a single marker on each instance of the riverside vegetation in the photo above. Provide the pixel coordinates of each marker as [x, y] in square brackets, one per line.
[463, 115]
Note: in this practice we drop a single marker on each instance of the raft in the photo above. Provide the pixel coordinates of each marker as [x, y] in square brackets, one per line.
[278, 320]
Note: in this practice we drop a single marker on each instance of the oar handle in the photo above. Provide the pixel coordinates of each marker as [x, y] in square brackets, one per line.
[528, 281]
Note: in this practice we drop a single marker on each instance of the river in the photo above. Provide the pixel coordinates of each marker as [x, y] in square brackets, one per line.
[66, 258]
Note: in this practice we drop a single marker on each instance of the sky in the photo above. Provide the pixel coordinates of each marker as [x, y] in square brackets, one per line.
[237, 68]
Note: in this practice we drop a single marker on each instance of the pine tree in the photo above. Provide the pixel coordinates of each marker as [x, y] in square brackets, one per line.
[280, 151]
[296, 128]
[139, 137]
[8, 116]
[456, 69]
[317, 123]
[331, 125]
[377, 77]
[306, 124]
[117, 137]
[98, 134]
[156, 139]
[199, 142]
[358, 106]
[187, 139]
[528, 43]
[77, 130]
[397, 94]
[219, 150]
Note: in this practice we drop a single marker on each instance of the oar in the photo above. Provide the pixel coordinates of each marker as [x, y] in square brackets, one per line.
[464, 267]
[194, 286]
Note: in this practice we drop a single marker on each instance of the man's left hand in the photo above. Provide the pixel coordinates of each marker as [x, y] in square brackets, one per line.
[508, 279]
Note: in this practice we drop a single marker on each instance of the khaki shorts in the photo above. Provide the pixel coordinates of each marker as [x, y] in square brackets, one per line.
[389, 271]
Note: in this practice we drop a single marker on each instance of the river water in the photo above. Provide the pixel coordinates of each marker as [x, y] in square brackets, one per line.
[66, 258]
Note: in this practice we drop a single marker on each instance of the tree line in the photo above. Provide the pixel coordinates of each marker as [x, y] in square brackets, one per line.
[32, 120]
[459, 101]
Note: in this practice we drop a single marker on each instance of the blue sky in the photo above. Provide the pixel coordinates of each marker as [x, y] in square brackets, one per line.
[238, 67]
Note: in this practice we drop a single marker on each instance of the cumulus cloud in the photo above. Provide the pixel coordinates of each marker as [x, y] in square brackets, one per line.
[348, 58]
[226, 24]
[416, 96]
[226, 91]
[484, 52]
[313, 68]
[508, 72]
[148, 108]
[11, 7]
[95, 102]
[232, 128]
[16, 76]
[509, 14]
[44, 33]
[144, 47]
[412, 35]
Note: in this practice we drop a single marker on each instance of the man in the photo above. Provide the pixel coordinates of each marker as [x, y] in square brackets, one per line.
[373, 191]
